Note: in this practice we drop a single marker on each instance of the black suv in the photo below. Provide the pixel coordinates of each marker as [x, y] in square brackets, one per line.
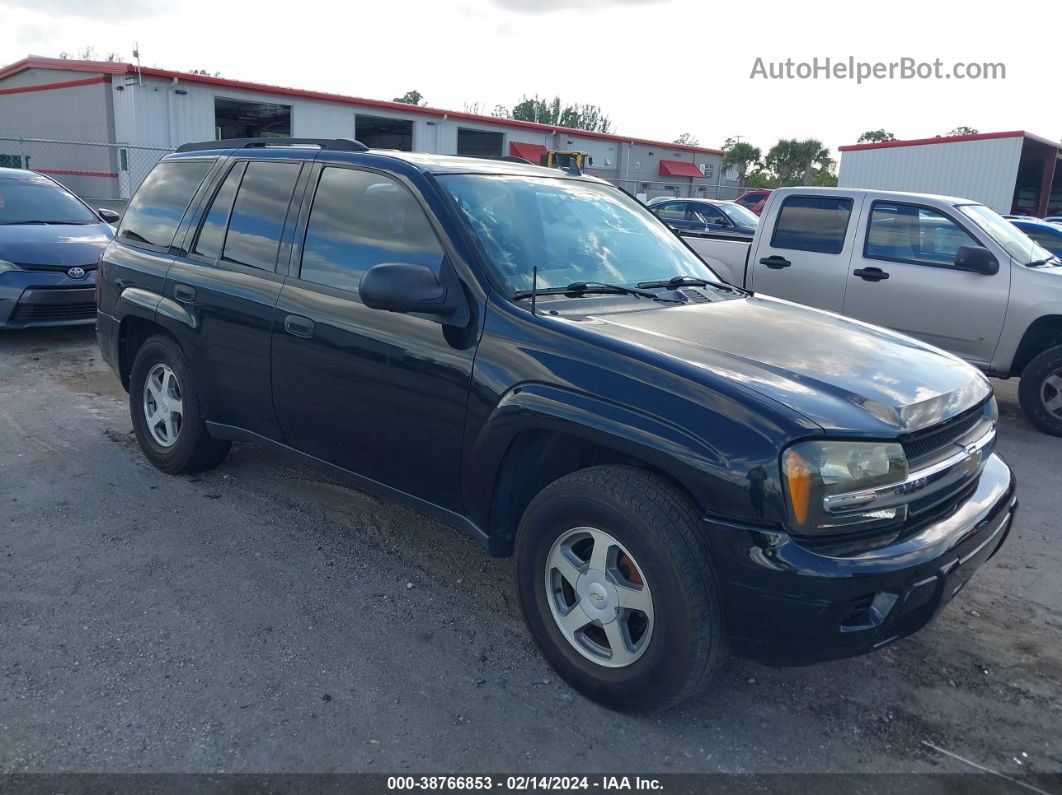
[529, 354]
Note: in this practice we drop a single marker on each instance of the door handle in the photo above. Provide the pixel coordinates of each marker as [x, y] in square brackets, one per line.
[775, 262]
[184, 293]
[298, 326]
[870, 274]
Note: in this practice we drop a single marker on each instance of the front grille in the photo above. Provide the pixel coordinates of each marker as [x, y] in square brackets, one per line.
[925, 444]
[30, 266]
[52, 313]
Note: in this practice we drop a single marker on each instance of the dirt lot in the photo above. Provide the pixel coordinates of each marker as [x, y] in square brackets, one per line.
[262, 618]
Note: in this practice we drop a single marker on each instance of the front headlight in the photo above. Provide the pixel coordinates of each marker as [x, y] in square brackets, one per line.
[815, 470]
[6, 266]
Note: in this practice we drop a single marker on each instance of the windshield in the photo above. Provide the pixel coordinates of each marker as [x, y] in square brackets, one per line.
[739, 215]
[573, 231]
[1015, 242]
[39, 200]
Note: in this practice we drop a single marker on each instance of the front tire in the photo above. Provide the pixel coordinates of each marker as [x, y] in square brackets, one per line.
[617, 587]
[164, 407]
[1040, 391]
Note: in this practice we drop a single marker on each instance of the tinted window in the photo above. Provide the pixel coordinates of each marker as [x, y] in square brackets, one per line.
[751, 200]
[359, 220]
[915, 234]
[258, 214]
[157, 208]
[38, 199]
[212, 233]
[812, 223]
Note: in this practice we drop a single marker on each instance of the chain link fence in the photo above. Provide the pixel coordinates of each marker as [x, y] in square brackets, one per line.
[684, 190]
[95, 171]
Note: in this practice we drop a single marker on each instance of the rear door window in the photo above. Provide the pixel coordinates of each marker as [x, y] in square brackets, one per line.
[812, 223]
[211, 238]
[360, 219]
[156, 210]
[258, 214]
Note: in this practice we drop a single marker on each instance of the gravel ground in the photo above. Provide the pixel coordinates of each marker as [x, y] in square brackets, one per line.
[261, 617]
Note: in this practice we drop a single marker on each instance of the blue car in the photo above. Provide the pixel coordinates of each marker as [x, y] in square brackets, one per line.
[1046, 234]
[50, 243]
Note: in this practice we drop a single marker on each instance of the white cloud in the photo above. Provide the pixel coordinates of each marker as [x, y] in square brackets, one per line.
[116, 10]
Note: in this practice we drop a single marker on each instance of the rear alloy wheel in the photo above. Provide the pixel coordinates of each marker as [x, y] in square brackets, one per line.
[164, 407]
[1040, 391]
[617, 587]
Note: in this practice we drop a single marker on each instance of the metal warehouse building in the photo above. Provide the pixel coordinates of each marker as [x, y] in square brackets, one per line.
[100, 126]
[1009, 171]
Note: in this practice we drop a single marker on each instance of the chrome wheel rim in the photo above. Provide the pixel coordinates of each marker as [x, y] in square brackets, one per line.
[1051, 393]
[163, 408]
[599, 598]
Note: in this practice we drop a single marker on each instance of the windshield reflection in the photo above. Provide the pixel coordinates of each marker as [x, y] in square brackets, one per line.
[573, 231]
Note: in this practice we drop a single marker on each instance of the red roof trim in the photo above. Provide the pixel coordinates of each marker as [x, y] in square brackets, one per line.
[529, 152]
[111, 67]
[88, 81]
[107, 174]
[949, 139]
[679, 168]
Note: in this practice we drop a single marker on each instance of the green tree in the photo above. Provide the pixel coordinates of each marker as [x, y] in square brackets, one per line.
[411, 98]
[688, 139]
[785, 160]
[813, 155]
[960, 131]
[739, 156]
[794, 161]
[554, 112]
[876, 136]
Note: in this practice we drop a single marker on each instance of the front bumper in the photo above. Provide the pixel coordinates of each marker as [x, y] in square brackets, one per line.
[45, 298]
[786, 604]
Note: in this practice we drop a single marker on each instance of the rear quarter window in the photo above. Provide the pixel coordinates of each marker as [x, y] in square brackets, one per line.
[156, 210]
[812, 223]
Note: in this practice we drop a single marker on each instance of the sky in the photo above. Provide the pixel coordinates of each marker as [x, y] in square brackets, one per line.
[658, 68]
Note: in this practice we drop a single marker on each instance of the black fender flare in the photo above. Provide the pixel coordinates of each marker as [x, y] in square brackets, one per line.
[658, 442]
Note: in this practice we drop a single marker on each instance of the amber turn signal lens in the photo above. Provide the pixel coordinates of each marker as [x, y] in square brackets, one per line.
[798, 479]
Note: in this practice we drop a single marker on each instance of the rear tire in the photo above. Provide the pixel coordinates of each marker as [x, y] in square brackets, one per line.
[166, 415]
[1040, 391]
[672, 641]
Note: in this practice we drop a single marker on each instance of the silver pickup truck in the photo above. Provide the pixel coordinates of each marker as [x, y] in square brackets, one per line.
[948, 271]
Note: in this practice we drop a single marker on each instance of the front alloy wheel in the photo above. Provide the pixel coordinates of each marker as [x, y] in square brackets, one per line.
[599, 597]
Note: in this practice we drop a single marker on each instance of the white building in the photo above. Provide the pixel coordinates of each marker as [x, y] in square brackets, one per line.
[133, 116]
[1009, 171]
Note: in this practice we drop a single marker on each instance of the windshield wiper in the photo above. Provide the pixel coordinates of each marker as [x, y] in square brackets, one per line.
[581, 288]
[1036, 263]
[691, 281]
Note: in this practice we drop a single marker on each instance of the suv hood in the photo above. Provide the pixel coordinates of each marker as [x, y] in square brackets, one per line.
[54, 244]
[843, 375]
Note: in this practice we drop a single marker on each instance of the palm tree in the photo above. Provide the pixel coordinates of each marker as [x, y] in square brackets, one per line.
[812, 153]
[741, 157]
[785, 159]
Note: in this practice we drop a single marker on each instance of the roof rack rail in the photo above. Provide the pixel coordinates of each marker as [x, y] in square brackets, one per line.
[332, 144]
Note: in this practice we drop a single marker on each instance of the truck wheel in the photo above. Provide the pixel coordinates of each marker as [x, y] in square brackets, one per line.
[1040, 391]
[165, 411]
[617, 587]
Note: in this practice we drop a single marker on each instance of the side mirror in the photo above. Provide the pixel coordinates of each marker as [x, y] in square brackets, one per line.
[976, 259]
[406, 287]
[110, 216]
